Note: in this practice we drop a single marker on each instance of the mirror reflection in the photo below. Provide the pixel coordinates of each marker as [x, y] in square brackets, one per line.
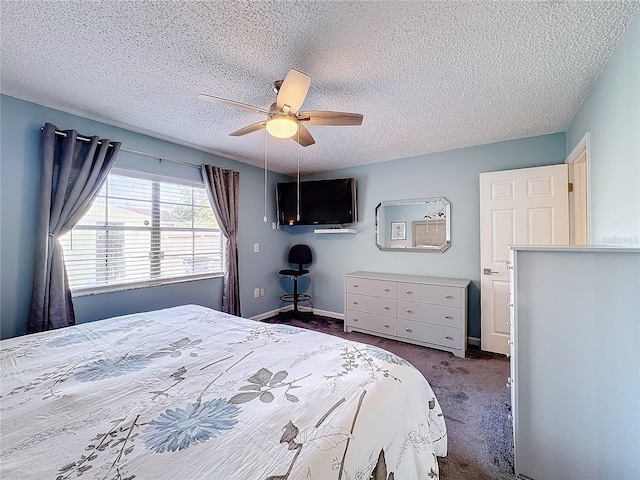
[417, 225]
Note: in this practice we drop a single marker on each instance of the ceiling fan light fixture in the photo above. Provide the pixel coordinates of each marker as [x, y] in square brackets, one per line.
[282, 126]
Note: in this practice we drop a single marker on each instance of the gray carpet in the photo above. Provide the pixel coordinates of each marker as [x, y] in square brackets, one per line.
[472, 393]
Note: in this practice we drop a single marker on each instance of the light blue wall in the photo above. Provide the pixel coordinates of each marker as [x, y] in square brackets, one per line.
[611, 113]
[453, 175]
[20, 124]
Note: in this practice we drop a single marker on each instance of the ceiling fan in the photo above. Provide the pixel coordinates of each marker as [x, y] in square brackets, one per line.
[284, 120]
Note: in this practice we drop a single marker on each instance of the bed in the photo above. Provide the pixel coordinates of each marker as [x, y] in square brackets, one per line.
[189, 392]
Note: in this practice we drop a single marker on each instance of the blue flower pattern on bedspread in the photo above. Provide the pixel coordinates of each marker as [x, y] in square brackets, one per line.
[287, 330]
[111, 367]
[74, 339]
[385, 356]
[179, 428]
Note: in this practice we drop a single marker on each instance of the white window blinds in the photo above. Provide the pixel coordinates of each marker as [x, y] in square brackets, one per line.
[143, 230]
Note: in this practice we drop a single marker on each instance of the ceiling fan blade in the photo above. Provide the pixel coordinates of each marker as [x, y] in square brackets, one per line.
[293, 90]
[254, 127]
[305, 137]
[231, 103]
[330, 118]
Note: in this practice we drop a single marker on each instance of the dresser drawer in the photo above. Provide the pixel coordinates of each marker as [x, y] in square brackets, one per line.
[437, 294]
[368, 286]
[372, 322]
[364, 303]
[425, 332]
[411, 308]
[426, 313]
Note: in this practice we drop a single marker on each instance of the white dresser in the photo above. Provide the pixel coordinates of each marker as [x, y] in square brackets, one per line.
[427, 311]
[575, 362]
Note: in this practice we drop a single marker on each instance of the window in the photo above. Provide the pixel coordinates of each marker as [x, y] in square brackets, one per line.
[143, 230]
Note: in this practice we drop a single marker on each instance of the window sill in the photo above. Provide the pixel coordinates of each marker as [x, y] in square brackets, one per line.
[84, 292]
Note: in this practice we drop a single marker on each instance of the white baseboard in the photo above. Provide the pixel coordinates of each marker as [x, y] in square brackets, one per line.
[264, 315]
[324, 313]
[473, 341]
[327, 313]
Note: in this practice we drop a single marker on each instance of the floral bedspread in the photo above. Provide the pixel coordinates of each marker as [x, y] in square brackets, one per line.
[192, 393]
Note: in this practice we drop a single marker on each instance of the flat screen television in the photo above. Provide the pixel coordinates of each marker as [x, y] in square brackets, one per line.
[322, 202]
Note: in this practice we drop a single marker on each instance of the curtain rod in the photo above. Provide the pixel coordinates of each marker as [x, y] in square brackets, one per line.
[136, 152]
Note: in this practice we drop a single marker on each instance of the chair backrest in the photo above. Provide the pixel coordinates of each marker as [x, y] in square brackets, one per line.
[300, 255]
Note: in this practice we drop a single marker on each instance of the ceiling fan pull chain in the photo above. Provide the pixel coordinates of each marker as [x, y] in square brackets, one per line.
[298, 155]
[266, 155]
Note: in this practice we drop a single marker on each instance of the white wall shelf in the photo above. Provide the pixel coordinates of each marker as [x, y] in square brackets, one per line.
[335, 230]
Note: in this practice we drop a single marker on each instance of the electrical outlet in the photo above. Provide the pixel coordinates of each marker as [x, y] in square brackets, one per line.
[256, 247]
[256, 292]
[274, 225]
[262, 292]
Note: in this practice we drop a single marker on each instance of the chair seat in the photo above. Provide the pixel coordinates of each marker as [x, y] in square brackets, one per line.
[293, 273]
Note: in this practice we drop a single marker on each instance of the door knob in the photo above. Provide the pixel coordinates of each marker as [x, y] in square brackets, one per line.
[488, 271]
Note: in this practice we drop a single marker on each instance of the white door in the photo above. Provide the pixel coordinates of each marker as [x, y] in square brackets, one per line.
[529, 206]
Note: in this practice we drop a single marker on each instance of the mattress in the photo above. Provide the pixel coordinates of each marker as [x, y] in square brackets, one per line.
[189, 392]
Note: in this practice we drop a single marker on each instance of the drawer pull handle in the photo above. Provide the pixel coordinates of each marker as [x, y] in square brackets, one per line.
[448, 337]
[448, 296]
[409, 292]
[449, 317]
[386, 308]
[355, 303]
[386, 325]
[355, 319]
[409, 330]
[409, 311]
[386, 289]
[355, 285]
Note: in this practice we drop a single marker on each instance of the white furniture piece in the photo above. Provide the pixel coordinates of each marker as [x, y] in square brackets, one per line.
[575, 362]
[427, 311]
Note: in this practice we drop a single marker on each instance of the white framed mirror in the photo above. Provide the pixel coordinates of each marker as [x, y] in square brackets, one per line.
[415, 225]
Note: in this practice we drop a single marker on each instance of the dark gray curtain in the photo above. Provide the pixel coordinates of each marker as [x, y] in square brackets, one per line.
[73, 172]
[223, 190]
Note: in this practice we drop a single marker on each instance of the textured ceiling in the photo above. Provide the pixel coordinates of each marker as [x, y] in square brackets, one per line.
[427, 76]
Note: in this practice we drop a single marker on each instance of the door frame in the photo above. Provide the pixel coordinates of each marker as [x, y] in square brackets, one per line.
[583, 146]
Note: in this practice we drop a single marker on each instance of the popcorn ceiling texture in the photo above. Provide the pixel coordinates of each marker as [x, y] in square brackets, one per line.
[427, 76]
